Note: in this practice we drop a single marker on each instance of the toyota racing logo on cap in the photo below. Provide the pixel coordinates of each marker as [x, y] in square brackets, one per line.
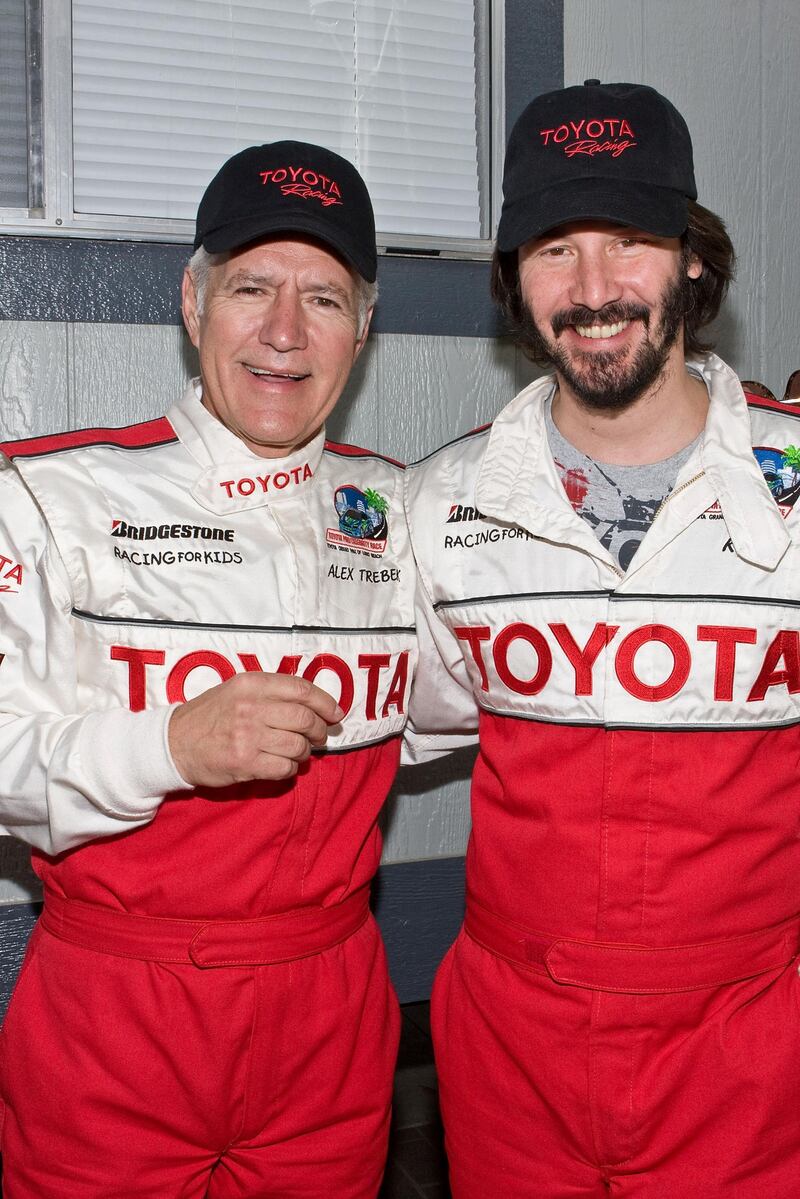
[606, 135]
[304, 182]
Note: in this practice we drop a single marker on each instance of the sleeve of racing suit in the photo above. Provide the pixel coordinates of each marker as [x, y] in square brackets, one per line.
[442, 713]
[68, 776]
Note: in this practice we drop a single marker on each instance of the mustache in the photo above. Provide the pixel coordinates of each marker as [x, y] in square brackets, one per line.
[608, 315]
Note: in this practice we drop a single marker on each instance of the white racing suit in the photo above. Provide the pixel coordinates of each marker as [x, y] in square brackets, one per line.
[621, 1009]
[205, 1001]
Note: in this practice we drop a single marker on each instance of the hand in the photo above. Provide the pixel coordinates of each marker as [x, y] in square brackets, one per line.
[252, 726]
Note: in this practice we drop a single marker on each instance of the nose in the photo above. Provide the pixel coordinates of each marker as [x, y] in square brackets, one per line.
[284, 326]
[594, 282]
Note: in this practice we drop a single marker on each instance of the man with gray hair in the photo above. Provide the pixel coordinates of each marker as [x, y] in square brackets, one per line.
[206, 647]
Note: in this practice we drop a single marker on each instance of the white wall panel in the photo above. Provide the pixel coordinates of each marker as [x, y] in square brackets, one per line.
[355, 417]
[780, 176]
[603, 40]
[427, 817]
[731, 68]
[33, 378]
[120, 374]
[432, 389]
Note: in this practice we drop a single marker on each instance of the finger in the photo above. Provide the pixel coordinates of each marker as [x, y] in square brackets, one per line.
[282, 743]
[294, 718]
[325, 705]
[289, 687]
[274, 767]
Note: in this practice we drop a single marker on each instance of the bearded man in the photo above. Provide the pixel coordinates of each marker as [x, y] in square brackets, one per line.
[619, 1013]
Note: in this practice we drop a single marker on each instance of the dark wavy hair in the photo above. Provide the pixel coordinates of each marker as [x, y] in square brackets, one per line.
[705, 236]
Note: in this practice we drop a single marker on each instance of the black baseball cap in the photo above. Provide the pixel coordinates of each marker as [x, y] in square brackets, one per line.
[610, 152]
[290, 187]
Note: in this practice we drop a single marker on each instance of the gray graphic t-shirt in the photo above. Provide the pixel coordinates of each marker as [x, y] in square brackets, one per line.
[619, 502]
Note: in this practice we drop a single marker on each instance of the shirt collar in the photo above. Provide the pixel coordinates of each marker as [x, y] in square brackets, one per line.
[518, 480]
[231, 477]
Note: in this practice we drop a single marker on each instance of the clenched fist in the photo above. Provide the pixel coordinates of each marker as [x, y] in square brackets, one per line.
[252, 726]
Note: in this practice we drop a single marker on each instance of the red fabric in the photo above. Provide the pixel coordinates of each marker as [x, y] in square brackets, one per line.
[223, 1083]
[286, 845]
[583, 832]
[632, 968]
[284, 937]
[577, 1093]
[272, 1081]
[145, 433]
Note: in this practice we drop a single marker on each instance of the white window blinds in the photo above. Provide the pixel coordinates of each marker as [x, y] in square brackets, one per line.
[165, 90]
[13, 106]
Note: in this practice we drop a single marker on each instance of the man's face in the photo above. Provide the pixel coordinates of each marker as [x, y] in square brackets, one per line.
[277, 337]
[608, 302]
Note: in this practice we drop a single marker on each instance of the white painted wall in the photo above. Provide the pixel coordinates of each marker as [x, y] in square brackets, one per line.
[731, 68]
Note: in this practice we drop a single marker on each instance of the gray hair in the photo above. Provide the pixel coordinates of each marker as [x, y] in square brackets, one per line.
[201, 264]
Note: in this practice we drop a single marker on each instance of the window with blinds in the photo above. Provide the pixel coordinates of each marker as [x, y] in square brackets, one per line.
[159, 93]
[14, 106]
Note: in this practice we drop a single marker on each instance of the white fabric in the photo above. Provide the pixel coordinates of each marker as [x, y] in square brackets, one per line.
[141, 576]
[495, 537]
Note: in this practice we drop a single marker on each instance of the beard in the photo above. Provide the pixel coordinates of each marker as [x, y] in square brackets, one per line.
[609, 380]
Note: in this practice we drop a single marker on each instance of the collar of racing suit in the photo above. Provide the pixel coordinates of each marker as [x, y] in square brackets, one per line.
[231, 478]
[519, 482]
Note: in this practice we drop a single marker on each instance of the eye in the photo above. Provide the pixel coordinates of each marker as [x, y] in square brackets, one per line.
[326, 302]
[248, 290]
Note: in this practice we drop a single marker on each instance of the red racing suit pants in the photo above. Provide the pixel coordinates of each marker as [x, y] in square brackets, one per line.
[250, 1058]
[558, 1083]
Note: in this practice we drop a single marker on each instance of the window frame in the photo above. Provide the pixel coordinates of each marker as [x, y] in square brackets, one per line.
[63, 278]
[56, 215]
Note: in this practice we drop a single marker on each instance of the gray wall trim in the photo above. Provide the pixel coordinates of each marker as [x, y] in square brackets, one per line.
[419, 907]
[16, 924]
[534, 52]
[137, 283]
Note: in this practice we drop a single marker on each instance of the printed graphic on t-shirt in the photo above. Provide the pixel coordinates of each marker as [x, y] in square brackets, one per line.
[619, 519]
[618, 502]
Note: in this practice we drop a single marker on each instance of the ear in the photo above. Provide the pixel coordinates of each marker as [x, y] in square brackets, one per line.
[191, 317]
[695, 268]
[359, 346]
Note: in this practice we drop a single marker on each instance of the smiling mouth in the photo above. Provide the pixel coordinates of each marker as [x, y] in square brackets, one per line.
[601, 332]
[265, 374]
